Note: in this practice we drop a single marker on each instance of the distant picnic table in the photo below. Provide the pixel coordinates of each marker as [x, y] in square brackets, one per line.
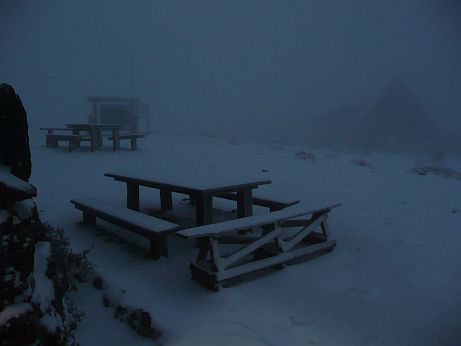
[201, 191]
[92, 133]
[95, 131]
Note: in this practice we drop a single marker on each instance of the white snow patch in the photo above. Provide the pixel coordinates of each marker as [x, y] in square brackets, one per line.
[44, 291]
[4, 215]
[12, 311]
[24, 208]
[14, 183]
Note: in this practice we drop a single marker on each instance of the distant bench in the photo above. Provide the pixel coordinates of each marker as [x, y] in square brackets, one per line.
[154, 229]
[50, 130]
[133, 137]
[73, 141]
[52, 139]
[278, 237]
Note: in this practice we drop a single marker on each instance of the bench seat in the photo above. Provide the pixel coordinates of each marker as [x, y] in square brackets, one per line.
[271, 245]
[133, 137]
[50, 130]
[52, 140]
[262, 201]
[156, 230]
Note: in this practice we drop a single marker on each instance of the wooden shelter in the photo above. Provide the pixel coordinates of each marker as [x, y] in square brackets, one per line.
[126, 111]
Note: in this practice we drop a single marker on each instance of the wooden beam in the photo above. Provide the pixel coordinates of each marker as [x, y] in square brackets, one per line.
[215, 257]
[166, 199]
[228, 261]
[244, 203]
[288, 245]
[275, 260]
[132, 196]
[203, 210]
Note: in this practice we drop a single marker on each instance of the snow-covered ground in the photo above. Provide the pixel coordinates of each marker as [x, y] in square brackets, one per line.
[394, 278]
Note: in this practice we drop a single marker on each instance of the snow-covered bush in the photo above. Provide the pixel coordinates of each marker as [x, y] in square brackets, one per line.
[42, 306]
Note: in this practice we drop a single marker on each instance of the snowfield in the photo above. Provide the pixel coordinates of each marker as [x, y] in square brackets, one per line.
[393, 279]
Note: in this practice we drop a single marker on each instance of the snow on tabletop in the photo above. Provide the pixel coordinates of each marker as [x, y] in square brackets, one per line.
[195, 179]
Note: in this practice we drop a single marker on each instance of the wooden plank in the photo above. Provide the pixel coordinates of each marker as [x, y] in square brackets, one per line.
[134, 143]
[158, 246]
[189, 186]
[88, 218]
[288, 245]
[166, 199]
[203, 210]
[62, 137]
[251, 221]
[98, 99]
[94, 139]
[215, 257]
[294, 223]
[55, 129]
[274, 260]
[115, 139]
[130, 135]
[142, 224]
[272, 204]
[132, 196]
[325, 229]
[244, 203]
[228, 261]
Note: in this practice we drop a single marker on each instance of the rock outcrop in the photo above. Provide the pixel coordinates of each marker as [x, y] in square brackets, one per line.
[36, 267]
[14, 138]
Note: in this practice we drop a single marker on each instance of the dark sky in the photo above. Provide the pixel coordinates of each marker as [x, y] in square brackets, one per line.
[231, 67]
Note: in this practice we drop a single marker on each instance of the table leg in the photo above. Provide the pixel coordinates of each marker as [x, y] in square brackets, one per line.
[132, 196]
[244, 203]
[203, 206]
[94, 139]
[166, 199]
[116, 139]
[99, 136]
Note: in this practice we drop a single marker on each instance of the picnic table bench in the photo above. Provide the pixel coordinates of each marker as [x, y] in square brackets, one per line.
[278, 237]
[271, 203]
[154, 229]
[133, 137]
[73, 141]
[52, 138]
[50, 130]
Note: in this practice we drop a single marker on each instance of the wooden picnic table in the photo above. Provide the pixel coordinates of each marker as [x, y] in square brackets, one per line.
[95, 131]
[200, 190]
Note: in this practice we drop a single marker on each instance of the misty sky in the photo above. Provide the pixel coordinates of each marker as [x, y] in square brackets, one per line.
[229, 66]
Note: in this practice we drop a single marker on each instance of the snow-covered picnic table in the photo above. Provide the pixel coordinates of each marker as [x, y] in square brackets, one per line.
[200, 189]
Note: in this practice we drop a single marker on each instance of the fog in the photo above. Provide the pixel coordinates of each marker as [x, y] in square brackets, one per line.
[265, 70]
